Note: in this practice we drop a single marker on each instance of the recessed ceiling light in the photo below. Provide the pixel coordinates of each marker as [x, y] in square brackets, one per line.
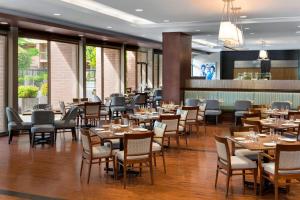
[80, 35]
[298, 26]
[56, 14]
[143, 35]
[251, 33]
[198, 30]
[166, 20]
[107, 10]
[105, 39]
[247, 28]
[109, 27]
[139, 10]
[3, 23]
[208, 35]
[243, 17]
[298, 32]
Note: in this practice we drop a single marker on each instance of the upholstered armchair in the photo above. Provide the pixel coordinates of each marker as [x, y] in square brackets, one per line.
[15, 124]
[68, 122]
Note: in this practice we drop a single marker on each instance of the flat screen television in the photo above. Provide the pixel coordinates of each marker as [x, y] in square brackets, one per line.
[204, 70]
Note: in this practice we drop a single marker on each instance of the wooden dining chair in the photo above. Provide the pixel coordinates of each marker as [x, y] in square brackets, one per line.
[182, 123]
[253, 123]
[192, 117]
[93, 154]
[158, 139]
[172, 122]
[285, 165]
[137, 150]
[228, 164]
[294, 114]
[237, 150]
[254, 114]
[92, 113]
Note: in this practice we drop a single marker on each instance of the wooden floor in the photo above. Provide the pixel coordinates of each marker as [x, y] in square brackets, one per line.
[53, 173]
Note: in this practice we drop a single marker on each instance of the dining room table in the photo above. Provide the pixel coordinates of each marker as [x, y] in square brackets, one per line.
[261, 141]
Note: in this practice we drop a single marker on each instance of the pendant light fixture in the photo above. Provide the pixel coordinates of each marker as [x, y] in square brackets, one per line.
[263, 54]
[229, 33]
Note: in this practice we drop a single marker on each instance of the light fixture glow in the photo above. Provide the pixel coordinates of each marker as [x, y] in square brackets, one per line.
[139, 10]
[109, 27]
[198, 30]
[4, 23]
[56, 14]
[229, 33]
[166, 20]
[263, 54]
[107, 10]
[243, 17]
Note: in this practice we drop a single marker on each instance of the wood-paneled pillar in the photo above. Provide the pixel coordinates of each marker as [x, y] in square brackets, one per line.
[177, 55]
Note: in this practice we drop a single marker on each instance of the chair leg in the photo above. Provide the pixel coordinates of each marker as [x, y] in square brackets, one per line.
[261, 183]
[124, 174]
[164, 162]
[276, 187]
[151, 172]
[217, 174]
[227, 182]
[154, 158]
[10, 133]
[89, 173]
[141, 165]
[217, 119]
[186, 139]
[177, 140]
[81, 167]
[32, 139]
[243, 180]
[255, 180]
[106, 163]
[74, 133]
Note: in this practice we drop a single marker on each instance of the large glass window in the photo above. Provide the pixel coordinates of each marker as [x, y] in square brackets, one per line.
[93, 71]
[64, 72]
[157, 70]
[2, 82]
[131, 70]
[32, 73]
[112, 71]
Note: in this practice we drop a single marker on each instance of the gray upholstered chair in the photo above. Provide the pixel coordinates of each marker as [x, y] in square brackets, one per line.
[241, 107]
[116, 95]
[157, 94]
[140, 99]
[117, 105]
[281, 105]
[213, 109]
[15, 124]
[192, 102]
[42, 125]
[62, 108]
[68, 122]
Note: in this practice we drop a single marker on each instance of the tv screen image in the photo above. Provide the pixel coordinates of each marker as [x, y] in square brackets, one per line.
[204, 70]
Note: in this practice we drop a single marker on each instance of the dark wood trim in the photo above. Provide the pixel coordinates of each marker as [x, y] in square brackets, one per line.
[49, 70]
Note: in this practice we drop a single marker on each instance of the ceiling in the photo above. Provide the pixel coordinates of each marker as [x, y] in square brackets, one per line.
[275, 22]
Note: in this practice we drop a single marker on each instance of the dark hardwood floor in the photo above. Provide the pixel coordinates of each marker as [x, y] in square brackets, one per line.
[53, 173]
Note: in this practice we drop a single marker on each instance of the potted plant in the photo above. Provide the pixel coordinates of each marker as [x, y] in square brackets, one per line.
[27, 97]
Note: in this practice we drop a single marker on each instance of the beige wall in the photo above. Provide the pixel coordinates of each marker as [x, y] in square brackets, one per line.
[2, 83]
[64, 72]
[112, 71]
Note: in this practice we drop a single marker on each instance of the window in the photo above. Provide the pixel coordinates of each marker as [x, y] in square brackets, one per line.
[112, 71]
[93, 71]
[2, 82]
[131, 70]
[142, 66]
[157, 70]
[32, 73]
[64, 72]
